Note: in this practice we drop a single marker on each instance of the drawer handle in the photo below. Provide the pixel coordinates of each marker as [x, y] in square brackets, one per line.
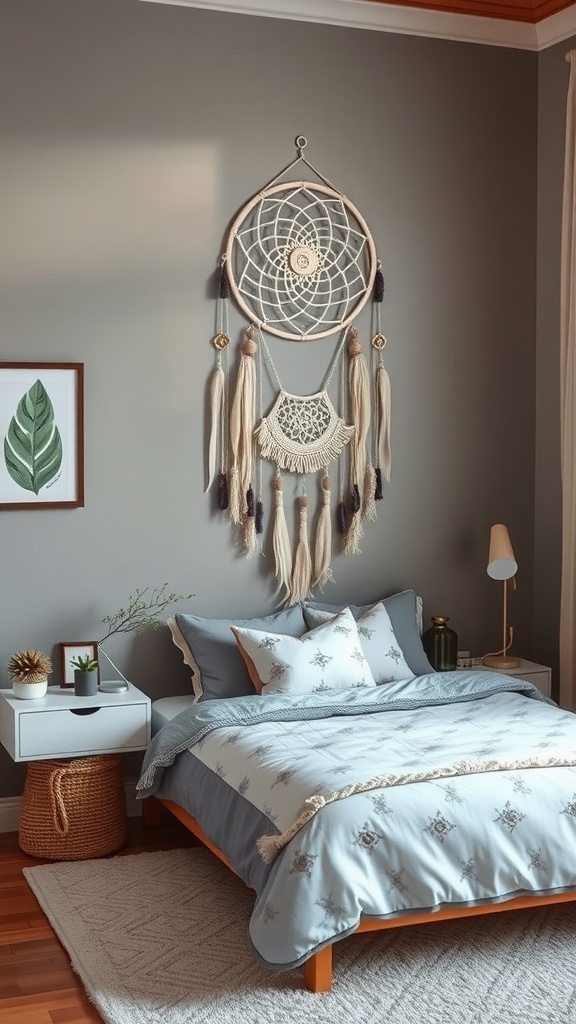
[83, 711]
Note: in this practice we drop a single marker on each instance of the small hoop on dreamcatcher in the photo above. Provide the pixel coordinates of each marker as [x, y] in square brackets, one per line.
[300, 257]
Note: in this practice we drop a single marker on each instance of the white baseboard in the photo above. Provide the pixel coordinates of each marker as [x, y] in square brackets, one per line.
[10, 807]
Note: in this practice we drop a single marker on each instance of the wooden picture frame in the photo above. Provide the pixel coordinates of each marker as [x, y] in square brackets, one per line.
[42, 435]
[74, 650]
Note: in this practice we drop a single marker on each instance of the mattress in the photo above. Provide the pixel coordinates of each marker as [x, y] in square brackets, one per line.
[166, 708]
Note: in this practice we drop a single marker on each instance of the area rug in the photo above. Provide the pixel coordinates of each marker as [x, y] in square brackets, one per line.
[161, 938]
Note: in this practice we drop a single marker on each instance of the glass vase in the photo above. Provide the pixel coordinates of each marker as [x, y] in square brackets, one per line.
[441, 645]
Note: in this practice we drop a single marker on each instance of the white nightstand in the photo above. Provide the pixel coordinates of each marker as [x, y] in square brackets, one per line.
[540, 675]
[73, 804]
[63, 725]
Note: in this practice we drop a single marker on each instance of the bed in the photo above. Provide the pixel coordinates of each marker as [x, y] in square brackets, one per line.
[360, 794]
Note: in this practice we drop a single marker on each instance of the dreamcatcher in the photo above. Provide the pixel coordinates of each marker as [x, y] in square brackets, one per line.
[300, 264]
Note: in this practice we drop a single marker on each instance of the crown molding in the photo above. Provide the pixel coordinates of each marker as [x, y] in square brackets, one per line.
[395, 18]
[556, 28]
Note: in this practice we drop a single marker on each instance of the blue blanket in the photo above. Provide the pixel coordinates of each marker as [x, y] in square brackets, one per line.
[484, 811]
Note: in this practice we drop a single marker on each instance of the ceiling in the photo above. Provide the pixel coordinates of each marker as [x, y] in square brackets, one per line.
[520, 24]
[531, 11]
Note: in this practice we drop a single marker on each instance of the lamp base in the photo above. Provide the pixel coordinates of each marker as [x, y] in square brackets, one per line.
[500, 661]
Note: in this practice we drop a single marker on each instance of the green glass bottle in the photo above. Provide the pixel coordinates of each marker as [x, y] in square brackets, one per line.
[441, 645]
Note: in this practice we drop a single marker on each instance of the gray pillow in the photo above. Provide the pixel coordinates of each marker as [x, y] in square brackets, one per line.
[210, 650]
[403, 611]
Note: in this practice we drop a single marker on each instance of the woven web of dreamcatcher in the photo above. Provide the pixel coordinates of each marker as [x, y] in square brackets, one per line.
[301, 260]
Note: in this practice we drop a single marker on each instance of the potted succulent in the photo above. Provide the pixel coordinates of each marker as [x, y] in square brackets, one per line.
[29, 671]
[85, 675]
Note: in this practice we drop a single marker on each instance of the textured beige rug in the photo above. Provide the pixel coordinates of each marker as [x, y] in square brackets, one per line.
[161, 938]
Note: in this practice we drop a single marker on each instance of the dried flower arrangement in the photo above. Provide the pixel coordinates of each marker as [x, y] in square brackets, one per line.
[142, 611]
[29, 666]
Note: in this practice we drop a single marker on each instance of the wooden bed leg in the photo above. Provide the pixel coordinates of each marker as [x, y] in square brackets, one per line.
[318, 971]
[152, 812]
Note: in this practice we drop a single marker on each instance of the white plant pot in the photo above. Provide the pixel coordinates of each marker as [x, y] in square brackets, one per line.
[29, 691]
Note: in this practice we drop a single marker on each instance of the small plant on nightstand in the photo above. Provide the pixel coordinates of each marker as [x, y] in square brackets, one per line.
[84, 663]
[29, 671]
[85, 675]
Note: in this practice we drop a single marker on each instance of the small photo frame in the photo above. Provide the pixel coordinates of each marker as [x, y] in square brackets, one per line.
[78, 650]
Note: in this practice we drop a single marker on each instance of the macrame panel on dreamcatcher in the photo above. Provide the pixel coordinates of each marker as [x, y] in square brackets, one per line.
[300, 264]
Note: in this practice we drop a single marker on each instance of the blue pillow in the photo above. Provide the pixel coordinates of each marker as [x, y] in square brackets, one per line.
[210, 650]
[403, 611]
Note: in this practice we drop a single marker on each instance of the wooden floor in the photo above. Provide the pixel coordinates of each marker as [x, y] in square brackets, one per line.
[37, 983]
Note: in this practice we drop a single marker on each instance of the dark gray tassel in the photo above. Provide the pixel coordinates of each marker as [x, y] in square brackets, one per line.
[341, 517]
[250, 502]
[378, 493]
[259, 517]
[379, 286]
[224, 286]
[355, 500]
[222, 491]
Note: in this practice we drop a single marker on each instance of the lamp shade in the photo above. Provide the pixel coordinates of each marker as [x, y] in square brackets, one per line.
[501, 562]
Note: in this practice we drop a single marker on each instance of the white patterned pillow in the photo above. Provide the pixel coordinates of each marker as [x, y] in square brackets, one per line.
[326, 658]
[378, 641]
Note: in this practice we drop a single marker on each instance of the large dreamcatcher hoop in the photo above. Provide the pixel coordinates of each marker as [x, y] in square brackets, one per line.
[300, 258]
[300, 262]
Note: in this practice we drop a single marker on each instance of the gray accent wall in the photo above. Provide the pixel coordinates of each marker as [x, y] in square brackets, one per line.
[130, 136]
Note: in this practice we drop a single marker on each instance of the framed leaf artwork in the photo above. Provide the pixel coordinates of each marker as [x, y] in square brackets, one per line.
[42, 435]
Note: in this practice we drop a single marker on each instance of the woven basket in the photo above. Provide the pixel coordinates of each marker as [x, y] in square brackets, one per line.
[74, 809]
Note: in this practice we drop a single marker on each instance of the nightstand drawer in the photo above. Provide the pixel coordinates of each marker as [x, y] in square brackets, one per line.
[66, 732]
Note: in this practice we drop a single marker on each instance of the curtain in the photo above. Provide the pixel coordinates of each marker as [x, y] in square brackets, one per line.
[567, 639]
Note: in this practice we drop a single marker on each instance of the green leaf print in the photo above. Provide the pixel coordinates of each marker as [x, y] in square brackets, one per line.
[33, 446]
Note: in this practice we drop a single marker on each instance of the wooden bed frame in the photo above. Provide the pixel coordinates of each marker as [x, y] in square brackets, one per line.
[318, 969]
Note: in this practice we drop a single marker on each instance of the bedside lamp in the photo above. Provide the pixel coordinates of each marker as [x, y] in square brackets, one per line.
[502, 566]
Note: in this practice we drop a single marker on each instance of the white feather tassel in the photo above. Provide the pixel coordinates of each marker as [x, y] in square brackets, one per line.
[216, 397]
[242, 420]
[384, 408]
[302, 574]
[360, 410]
[369, 494]
[281, 539]
[249, 536]
[323, 546]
